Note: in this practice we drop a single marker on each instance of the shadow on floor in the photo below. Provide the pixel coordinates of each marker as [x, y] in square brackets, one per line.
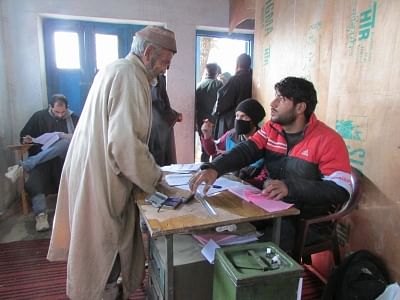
[14, 226]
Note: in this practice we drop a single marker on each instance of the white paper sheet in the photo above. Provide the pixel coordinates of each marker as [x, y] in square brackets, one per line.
[208, 251]
[182, 181]
[182, 168]
[47, 139]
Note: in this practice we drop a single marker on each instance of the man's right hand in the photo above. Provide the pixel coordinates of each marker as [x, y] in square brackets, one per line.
[27, 139]
[207, 176]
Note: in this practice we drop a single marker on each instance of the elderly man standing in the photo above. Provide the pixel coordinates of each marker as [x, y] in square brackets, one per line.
[96, 224]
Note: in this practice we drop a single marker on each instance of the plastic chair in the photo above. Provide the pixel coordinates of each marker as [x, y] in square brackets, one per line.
[301, 251]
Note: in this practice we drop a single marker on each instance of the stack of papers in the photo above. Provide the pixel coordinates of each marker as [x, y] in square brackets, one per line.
[47, 139]
[211, 240]
[226, 239]
[182, 181]
[182, 168]
[177, 179]
[244, 233]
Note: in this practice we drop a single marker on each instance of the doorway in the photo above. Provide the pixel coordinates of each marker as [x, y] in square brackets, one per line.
[223, 49]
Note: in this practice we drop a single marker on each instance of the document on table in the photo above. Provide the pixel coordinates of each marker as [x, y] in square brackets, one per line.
[177, 179]
[47, 139]
[182, 168]
[182, 181]
[253, 195]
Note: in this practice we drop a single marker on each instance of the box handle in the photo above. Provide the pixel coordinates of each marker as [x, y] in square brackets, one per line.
[259, 260]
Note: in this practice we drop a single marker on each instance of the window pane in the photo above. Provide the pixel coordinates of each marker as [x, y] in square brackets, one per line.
[67, 50]
[106, 49]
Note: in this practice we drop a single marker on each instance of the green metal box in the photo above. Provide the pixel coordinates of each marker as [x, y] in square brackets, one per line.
[255, 271]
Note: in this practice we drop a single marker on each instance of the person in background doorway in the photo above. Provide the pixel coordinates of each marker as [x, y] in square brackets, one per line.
[307, 162]
[205, 97]
[237, 89]
[43, 166]
[249, 113]
[162, 140]
[224, 77]
[96, 224]
[219, 71]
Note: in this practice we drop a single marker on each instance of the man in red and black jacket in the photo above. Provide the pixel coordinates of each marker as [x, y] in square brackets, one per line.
[307, 161]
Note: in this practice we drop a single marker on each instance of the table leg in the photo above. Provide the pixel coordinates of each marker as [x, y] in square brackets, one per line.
[276, 230]
[19, 154]
[169, 278]
[24, 201]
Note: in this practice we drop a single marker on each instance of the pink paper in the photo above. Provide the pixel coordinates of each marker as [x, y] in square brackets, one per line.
[253, 195]
[241, 191]
[266, 203]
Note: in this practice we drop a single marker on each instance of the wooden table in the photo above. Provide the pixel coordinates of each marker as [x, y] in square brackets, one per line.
[193, 216]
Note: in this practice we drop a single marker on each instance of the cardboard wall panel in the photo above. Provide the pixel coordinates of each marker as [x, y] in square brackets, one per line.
[239, 11]
[292, 40]
[349, 49]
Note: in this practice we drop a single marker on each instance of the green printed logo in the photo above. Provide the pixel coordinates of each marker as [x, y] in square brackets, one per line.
[351, 31]
[367, 22]
[266, 55]
[353, 132]
[360, 41]
[357, 156]
[268, 16]
[310, 49]
[348, 130]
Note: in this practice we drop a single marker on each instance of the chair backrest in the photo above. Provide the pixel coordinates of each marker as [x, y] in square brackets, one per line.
[352, 203]
[300, 249]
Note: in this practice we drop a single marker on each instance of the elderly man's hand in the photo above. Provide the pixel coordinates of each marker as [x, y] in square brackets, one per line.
[276, 189]
[207, 176]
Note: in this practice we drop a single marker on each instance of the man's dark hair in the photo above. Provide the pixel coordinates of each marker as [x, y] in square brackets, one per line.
[58, 98]
[243, 61]
[212, 70]
[299, 90]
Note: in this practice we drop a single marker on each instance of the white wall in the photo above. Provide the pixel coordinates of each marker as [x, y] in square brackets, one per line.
[22, 78]
[6, 129]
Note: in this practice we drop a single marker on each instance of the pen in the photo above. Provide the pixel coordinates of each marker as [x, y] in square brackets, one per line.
[216, 186]
[210, 210]
[162, 204]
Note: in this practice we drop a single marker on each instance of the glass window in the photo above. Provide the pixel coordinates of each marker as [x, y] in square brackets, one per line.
[106, 49]
[66, 46]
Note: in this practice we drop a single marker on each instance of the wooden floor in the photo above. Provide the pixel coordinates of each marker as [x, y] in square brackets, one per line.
[26, 274]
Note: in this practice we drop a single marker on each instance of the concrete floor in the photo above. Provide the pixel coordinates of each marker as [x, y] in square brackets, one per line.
[14, 226]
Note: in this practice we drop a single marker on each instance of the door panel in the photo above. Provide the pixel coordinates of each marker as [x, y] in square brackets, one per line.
[75, 83]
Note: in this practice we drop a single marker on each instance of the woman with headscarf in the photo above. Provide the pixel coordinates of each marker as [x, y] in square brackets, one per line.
[248, 114]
